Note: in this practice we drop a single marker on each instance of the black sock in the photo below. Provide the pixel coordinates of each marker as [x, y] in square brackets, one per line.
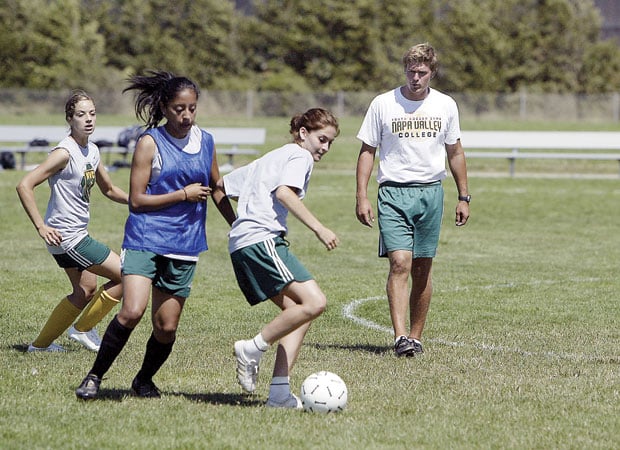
[114, 339]
[155, 356]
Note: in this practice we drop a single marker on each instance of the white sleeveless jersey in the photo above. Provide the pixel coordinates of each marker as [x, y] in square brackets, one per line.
[68, 209]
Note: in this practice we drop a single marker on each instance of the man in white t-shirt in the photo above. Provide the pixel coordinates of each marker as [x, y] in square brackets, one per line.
[414, 127]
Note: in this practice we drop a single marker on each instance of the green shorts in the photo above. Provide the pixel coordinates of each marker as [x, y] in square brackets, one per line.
[88, 252]
[264, 269]
[410, 218]
[173, 276]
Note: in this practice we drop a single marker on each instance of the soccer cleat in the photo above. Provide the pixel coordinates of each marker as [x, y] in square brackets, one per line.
[417, 346]
[54, 348]
[144, 389]
[291, 402]
[247, 369]
[89, 339]
[404, 347]
[89, 388]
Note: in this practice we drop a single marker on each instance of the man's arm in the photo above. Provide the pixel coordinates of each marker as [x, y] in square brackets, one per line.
[365, 164]
[458, 167]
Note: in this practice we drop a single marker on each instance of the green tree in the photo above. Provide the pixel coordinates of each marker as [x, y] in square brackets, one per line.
[505, 45]
[331, 44]
[326, 45]
[600, 71]
[49, 45]
[140, 35]
[188, 37]
[483, 45]
[212, 43]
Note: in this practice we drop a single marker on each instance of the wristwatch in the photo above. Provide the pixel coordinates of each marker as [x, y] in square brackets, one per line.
[465, 198]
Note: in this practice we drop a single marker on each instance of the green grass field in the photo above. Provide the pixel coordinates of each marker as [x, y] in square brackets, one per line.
[522, 340]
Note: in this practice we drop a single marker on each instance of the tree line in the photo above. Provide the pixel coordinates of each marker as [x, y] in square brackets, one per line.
[310, 45]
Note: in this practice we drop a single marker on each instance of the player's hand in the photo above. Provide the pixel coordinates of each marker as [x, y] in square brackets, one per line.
[50, 235]
[462, 214]
[364, 213]
[328, 238]
[196, 192]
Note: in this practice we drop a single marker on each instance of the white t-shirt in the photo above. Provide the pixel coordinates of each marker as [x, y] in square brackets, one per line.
[260, 215]
[411, 135]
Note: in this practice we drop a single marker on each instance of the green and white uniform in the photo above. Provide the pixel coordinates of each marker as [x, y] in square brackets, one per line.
[262, 262]
[68, 209]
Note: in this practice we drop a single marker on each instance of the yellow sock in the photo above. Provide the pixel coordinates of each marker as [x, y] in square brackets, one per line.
[61, 318]
[101, 304]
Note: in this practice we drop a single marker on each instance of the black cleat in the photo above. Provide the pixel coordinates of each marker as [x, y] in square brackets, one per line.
[404, 347]
[145, 389]
[417, 346]
[89, 388]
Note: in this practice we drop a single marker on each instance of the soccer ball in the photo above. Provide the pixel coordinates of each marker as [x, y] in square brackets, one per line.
[324, 392]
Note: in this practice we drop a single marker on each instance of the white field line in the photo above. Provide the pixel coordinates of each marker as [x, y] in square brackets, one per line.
[349, 311]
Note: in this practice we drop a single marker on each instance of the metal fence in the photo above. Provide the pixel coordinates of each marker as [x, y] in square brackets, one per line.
[518, 106]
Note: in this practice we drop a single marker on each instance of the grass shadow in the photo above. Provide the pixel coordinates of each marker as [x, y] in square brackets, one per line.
[214, 398]
[113, 395]
[23, 348]
[221, 398]
[374, 349]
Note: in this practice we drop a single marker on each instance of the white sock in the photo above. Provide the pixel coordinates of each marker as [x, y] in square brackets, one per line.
[279, 389]
[254, 348]
[261, 343]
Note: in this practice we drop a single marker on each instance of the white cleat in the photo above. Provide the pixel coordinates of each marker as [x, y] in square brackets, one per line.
[89, 339]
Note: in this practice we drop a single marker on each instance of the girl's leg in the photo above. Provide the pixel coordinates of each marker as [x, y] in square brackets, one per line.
[135, 301]
[280, 395]
[300, 303]
[83, 286]
[290, 344]
[106, 297]
[288, 351]
[166, 314]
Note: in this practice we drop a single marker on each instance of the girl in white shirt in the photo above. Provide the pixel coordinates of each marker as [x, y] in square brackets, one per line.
[266, 190]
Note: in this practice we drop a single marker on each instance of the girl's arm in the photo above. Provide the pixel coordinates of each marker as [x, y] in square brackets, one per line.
[141, 165]
[56, 161]
[108, 188]
[222, 203]
[288, 197]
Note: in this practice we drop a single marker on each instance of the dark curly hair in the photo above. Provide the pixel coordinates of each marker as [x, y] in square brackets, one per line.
[154, 90]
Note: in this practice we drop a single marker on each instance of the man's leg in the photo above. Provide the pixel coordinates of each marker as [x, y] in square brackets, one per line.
[421, 292]
[398, 289]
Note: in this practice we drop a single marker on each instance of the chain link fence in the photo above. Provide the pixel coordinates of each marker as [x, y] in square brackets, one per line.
[518, 106]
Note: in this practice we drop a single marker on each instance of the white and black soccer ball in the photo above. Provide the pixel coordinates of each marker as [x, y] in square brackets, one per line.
[324, 392]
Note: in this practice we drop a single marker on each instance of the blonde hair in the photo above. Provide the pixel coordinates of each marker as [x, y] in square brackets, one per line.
[421, 54]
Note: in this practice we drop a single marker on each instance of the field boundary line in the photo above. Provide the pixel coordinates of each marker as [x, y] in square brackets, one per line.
[349, 311]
